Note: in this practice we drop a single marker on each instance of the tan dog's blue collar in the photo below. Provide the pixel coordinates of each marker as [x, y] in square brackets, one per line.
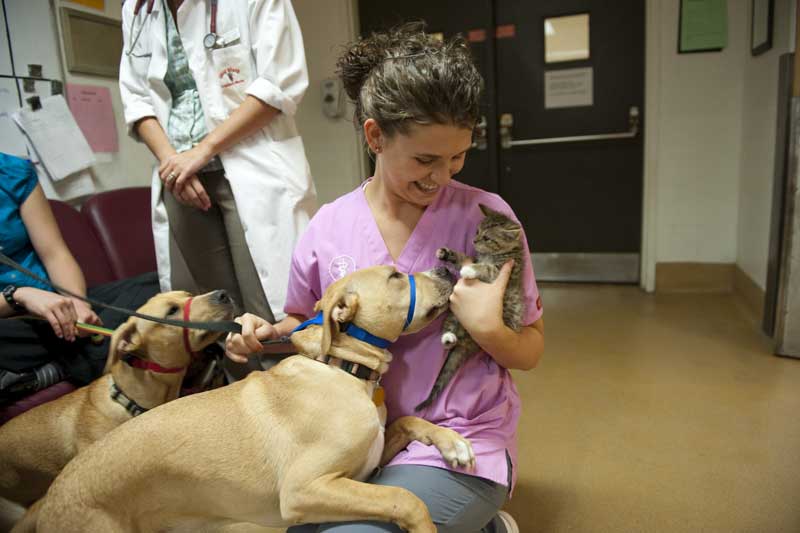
[132, 407]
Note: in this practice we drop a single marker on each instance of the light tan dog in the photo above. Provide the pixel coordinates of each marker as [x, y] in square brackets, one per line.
[147, 362]
[282, 447]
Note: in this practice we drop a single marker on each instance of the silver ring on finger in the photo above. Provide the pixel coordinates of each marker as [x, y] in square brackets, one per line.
[171, 176]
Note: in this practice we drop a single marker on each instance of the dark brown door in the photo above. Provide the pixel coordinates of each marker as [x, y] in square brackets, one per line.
[568, 157]
[581, 200]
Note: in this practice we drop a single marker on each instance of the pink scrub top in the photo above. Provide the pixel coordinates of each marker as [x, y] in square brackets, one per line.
[481, 402]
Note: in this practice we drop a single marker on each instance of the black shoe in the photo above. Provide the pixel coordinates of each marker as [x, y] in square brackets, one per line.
[17, 385]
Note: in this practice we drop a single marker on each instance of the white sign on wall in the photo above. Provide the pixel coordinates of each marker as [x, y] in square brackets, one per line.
[572, 87]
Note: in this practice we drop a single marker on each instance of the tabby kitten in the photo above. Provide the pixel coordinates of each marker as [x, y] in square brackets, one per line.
[498, 239]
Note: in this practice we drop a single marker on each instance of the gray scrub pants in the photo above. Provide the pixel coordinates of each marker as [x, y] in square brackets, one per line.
[215, 253]
[458, 503]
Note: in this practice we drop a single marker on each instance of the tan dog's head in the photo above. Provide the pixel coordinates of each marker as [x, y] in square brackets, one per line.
[377, 299]
[161, 343]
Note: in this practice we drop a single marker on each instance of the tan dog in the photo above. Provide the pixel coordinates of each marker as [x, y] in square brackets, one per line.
[281, 447]
[35, 446]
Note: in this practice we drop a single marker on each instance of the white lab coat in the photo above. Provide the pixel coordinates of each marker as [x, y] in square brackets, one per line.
[262, 55]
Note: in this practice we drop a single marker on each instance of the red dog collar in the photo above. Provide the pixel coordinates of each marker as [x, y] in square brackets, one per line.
[138, 362]
[186, 311]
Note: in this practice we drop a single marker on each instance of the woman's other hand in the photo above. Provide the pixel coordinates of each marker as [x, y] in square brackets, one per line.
[193, 194]
[85, 315]
[478, 305]
[58, 310]
[254, 330]
[178, 170]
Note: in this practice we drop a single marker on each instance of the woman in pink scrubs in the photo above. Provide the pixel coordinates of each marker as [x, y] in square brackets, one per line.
[417, 101]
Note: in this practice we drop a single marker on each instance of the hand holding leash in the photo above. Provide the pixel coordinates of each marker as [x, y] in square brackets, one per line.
[275, 344]
[238, 346]
[58, 310]
[85, 315]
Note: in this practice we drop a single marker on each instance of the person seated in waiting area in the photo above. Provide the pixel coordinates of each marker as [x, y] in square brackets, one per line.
[39, 342]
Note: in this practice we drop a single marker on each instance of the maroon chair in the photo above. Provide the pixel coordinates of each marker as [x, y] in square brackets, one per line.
[121, 220]
[83, 243]
[111, 239]
[91, 257]
[37, 398]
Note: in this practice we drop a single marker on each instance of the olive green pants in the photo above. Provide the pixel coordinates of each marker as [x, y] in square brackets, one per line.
[215, 252]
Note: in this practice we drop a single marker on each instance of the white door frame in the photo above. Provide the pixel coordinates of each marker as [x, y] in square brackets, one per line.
[652, 111]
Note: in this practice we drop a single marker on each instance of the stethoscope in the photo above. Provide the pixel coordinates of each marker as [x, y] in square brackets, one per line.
[209, 41]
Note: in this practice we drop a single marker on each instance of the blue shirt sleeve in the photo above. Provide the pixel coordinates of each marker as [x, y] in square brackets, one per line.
[17, 178]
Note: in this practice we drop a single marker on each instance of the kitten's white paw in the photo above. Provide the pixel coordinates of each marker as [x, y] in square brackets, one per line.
[449, 339]
[469, 272]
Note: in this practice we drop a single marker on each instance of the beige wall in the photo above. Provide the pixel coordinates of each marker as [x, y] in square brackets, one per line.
[757, 157]
[698, 140]
[332, 146]
[132, 165]
[710, 139]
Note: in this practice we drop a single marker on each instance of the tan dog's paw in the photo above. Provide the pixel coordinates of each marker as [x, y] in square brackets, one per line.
[425, 528]
[455, 449]
[412, 514]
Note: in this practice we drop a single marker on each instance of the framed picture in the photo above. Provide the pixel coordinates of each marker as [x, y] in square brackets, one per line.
[92, 43]
[761, 26]
[702, 26]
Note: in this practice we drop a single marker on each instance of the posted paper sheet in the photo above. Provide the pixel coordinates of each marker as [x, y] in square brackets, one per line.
[56, 137]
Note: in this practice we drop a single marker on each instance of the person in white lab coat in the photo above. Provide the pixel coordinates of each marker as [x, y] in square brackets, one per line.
[211, 86]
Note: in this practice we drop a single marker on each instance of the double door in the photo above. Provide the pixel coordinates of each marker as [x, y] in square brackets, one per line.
[560, 138]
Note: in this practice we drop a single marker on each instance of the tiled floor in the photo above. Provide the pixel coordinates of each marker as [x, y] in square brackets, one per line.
[658, 413]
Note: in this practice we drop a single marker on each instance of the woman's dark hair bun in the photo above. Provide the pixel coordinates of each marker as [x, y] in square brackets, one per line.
[358, 60]
[362, 56]
[404, 76]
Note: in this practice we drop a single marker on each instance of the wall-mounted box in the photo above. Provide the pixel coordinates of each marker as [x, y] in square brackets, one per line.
[92, 43]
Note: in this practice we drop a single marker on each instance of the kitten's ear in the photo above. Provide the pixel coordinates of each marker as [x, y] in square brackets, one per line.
[486, 211]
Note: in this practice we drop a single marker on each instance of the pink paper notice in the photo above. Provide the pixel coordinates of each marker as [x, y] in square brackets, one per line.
[91, 107]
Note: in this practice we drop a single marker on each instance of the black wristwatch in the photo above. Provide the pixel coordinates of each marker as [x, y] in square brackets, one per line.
[8, 294]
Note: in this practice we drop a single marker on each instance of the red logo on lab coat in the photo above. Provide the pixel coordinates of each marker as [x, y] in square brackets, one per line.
[229, 76]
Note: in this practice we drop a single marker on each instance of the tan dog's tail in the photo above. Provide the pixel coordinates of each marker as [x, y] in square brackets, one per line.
[27, 524]
[10, 513]
[121, 342]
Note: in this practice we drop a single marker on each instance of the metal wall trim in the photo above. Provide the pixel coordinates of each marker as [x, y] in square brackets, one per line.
[779, 190]
[787, 315]
[586, 267]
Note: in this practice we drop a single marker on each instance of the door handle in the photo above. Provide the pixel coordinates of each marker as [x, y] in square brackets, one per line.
[507, 141]
[479, 136]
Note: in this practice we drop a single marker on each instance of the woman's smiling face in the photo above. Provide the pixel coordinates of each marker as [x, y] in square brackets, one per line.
[416, 165]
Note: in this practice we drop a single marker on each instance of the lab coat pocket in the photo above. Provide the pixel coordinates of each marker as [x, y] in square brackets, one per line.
[292, 165]
[233, 73]
[140, 39]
